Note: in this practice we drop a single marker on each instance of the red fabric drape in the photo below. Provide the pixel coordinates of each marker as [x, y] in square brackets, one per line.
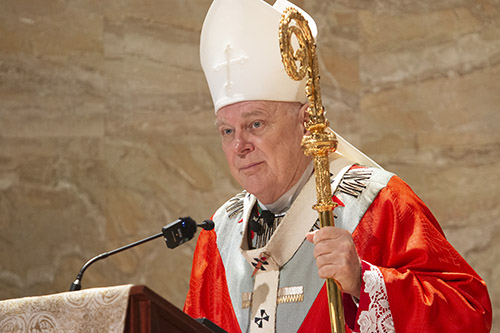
[431, 288]
[208, 294]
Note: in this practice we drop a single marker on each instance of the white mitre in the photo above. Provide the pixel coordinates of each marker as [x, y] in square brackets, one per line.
[240, 55]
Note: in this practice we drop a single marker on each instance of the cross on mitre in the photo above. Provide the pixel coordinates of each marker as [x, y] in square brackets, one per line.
[227, 64]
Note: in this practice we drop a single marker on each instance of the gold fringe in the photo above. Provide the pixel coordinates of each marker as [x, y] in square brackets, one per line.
[285, 295]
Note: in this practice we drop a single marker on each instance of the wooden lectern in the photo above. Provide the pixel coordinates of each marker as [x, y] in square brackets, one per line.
[148, 312]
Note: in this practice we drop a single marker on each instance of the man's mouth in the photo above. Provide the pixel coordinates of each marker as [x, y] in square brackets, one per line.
[250, 166]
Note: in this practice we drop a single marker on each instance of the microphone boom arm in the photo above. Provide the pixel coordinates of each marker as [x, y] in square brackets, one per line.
[176, 233]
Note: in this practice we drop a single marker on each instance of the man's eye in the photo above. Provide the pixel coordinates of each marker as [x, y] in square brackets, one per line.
[256, 124]
[226, 131]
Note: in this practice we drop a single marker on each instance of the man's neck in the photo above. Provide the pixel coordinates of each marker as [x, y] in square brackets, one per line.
[285, 201]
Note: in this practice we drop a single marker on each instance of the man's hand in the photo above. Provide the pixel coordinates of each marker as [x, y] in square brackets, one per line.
[336, 258]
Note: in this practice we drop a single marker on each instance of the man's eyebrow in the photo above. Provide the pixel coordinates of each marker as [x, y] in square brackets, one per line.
[254, 113]
[245, 115]
[219, 122]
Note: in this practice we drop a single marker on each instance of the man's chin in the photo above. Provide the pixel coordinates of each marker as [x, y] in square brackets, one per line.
[263, 192]
[255, 189]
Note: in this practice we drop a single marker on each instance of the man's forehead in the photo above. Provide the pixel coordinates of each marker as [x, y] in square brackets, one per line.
[247, 109]
[250, 107]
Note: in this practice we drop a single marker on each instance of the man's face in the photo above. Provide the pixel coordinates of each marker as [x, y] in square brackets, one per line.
[261, 141]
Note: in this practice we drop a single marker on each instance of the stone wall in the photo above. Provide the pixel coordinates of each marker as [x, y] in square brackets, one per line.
[106, 128]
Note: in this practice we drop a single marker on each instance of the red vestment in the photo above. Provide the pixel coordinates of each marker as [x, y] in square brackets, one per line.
[429, 286]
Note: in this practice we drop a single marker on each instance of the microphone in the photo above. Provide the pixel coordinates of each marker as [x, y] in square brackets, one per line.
[175, 234]
[207, 225]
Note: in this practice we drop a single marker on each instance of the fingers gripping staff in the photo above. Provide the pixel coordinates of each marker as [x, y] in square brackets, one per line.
[321, 140]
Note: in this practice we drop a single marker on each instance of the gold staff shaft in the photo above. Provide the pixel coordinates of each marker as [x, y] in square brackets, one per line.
[320, 140]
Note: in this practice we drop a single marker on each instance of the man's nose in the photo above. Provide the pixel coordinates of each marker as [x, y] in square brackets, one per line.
[242, 144]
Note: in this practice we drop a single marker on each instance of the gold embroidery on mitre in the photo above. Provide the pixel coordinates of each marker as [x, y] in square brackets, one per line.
[285, 295]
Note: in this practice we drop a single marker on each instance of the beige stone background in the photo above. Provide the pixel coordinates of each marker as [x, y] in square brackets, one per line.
[106, 128]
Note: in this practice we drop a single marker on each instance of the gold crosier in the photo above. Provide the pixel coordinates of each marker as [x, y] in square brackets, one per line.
[320, 140]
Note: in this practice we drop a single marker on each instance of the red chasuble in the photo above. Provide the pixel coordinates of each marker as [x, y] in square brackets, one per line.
[429, 286]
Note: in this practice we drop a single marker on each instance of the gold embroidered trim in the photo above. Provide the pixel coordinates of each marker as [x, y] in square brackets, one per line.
[290, 295]
[285, 295]
[355, 181]
[236, 204]
[246, 300]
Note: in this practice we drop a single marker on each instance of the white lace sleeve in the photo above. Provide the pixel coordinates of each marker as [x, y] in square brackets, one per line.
[378, 317]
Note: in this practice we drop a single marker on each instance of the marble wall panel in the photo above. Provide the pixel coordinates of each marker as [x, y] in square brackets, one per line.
[106, 128]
